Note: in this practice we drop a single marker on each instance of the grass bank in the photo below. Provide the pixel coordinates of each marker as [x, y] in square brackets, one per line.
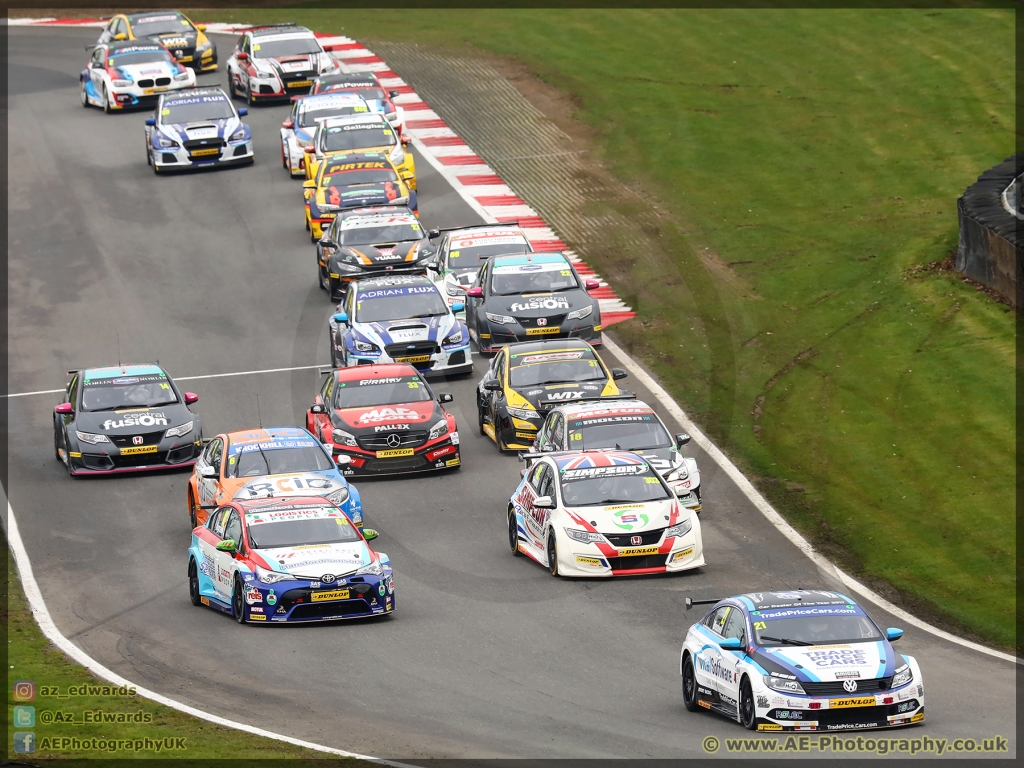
[73, 716]
[809, 163]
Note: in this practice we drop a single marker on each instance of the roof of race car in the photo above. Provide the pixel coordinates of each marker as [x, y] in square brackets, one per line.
[152, 15]
[130, 46]
[282, 31]
[356, 79]
[116, 371]
[488, 232]
[318, 101]
[376, 219]
[279, 503]
[269, 438]
[595, 459]
[525, 348]
[525, 259]
[595, 410]
[396, 281]
[337, 121]
[763, 600]
[374, 371]
[187, 94]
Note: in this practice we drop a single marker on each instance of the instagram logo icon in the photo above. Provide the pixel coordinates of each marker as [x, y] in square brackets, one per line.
[24, 690]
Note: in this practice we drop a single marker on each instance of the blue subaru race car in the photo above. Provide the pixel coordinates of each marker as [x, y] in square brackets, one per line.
[400, 319]
[197, 128]
[801, 660]
[293, 559]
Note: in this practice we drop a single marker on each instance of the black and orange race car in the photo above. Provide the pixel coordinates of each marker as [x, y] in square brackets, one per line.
[386, 419]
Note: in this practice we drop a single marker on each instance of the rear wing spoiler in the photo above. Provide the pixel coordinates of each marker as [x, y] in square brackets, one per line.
[690, 603]
[435, 233]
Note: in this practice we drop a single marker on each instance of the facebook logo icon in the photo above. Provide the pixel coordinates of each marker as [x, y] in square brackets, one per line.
[24, 742]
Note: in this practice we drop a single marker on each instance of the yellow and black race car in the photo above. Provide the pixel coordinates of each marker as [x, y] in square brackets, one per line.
[352, 180]
[526, 379]
[172, 29]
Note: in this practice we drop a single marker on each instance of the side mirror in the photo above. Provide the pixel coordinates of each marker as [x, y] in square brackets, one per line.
[592, 285]
[228, 545]
[309, 183]
[120, 36]
[150, 121]
[893, 633]
[475, 293]
[242, 111]
[201, 27]
[309, 150]
[618, 373]
[445, 397]
[493, 385]
[369, 534]
[288, 124]
[432, 233]
[242, 56]
[458, 306]
[191, 397]
[342, 460]
[394, 94]
[544, 502]
[317, 408]
[209, 473]
[64, 408]
[682, 439]
[731, 644]
[341, 317]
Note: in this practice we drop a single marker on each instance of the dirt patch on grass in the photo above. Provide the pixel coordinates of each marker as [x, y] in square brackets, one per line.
[947, 268]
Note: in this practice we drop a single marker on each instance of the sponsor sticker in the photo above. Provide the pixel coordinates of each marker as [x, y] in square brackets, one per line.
[415, 359]
[638, 551]
[452, 462]
[863, 701]
[130, 450]
[549, 331]
[300, 84]
[769, 727]
[257, 617]
[389, 454]
[333, 594]
[204, 152]
[588, 560]
[680, 555]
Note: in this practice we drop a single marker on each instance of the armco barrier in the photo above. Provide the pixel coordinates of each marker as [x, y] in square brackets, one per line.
[991, 237]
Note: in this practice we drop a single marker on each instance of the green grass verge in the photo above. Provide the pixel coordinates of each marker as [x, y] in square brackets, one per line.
[809, 160]
[73, 715]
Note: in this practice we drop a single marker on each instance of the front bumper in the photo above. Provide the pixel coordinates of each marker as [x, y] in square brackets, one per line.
[300, 600]
[265, 90]
[453, 361]
[591, 560]
[107, 459]
[442, 454]
[885, 709]
[232, 153]
[134, 97]
[516, 434]
[491, 336]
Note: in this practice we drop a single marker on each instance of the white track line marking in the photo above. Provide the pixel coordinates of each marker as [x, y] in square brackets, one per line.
[777, 520]
[49, 629]
[189, 378]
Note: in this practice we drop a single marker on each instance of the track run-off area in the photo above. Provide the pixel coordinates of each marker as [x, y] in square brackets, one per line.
[487, 656]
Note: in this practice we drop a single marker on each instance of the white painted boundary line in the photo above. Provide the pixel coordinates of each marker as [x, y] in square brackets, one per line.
[777, 520]
[189, 378]
[42, 617]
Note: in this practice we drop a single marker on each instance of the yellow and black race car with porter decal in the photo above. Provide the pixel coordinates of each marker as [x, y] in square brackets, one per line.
[526, 379]
[186, 41]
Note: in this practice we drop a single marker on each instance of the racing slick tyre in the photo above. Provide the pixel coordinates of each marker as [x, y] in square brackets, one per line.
[56, 445]
[321, 280]
[84, 95]
[552, 553]
[238, 602]
[335, 288]
[106, 100]
[480, 420]
[689, 686]
[748, 717]
[285, 160]
[193, 583]
[192, 509]
[249, 98]
[513, 533]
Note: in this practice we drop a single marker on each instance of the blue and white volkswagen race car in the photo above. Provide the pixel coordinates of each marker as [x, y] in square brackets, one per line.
[806, 660]
[131, 73]
[294, 559]
[307, 112]
[196, 129]
[399, 319]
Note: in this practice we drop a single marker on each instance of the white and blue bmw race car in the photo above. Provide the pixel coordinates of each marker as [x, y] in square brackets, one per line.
[197, 128]
[131, 73]
[805, 660]
[399, 319]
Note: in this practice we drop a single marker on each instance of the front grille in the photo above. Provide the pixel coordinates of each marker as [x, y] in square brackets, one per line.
[194, 144]
[553, 321]
[413, 439]
[141, 459]
[266, 89]
[620, 540]
[301, 596]
[407, 464]
[147, 83]
[836, 688]
[327, 610]
[635, 563]
[411, 349]
[148, 438]
[163, 81]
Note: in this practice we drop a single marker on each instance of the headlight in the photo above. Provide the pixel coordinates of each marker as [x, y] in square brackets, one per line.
[182, 77]
[365, 346]
[238, 135]
[271, 577]
[455, 338]
[266, 75]
[341, 437]
[184, 429]
[397, 155]
[390, 116]
[404, 200]
[88, 437]
[903, 676]
[166, 143]
[340, 496]
[374, 569]
[585, 536]
[300, 142]
[681, 529]
[523, 413]
[781, 684]
[578, 314]
[121, 83]
[453, 289]
[679, 473]
[441, 428]
[500, 319]
[203, 46]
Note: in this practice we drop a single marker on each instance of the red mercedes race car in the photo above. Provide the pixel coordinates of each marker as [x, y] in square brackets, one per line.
[386, 419]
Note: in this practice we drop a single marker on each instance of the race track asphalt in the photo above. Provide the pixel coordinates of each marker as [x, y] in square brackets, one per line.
[487, 655]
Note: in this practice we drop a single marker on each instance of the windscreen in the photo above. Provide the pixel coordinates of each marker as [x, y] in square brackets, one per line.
[532, 278]
[814, 625]
[555, 368]
[308, 529]
[137, 57]
[310, 117]
[271, 459]
[109, 394]
[621, 433]
[166, 24]
[196, 109]
[275, 49]
[390, 233]
[342, 138]
[378, 305]
[380, 391]
[367, 94]
[597, 486]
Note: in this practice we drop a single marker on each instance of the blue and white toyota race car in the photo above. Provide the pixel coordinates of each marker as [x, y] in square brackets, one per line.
[806, 660]
[196, 129]
[131, 73]
[399, 319]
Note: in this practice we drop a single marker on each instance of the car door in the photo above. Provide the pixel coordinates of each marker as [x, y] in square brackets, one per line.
[473, 303]
[707, 662]
[96, 68]
[556, 439]
[227, 562]
[320, 423]
[729, 683]
[211, 562]
[64, 420]
[495, 398]
[533, 518]
[212, 457]
[543, 438]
